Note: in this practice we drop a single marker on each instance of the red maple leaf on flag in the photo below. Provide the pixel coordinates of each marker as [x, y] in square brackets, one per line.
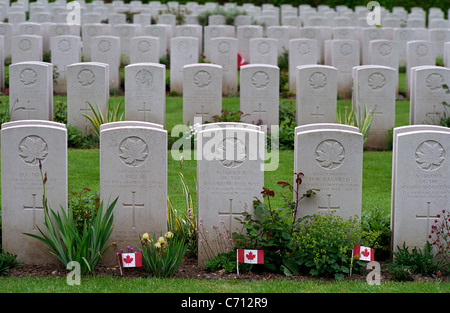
[365, 253]
[250, 256]
[128, 259]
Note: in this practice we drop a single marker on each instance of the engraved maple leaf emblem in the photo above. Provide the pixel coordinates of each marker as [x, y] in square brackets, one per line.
[28, 77]
[231, 152]
[435, 81]
[260, 79]
[202, 79]
[430, 155]
[134, 151]
[330, 154]
[86, 78]
[33, 149]
[376, 80]
[317, 80]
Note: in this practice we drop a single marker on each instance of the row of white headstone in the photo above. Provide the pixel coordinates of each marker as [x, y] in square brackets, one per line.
[230, 173]
[130, 44]
[373, 89]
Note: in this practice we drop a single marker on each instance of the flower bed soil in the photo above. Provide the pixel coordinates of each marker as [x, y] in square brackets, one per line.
[187, 270]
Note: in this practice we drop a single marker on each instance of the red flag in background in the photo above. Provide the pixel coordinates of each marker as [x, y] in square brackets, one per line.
[363, 253]
[250, 256]
[130, 259]
[241, 61]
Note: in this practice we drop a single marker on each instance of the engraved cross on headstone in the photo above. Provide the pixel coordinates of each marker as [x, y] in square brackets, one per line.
[434, 114]
[85, 109]
[144, 109]
[133, 206]
[230, 215]
[259, 111]
[33, 208]
[426, 217]
[328, 208]
[202, 112]
[28, 108]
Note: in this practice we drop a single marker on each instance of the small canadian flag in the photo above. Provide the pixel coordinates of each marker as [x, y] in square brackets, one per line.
[250, 256]
[130, 259]
[363, 253]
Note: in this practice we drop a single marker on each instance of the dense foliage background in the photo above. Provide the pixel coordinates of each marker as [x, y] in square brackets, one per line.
[388, 4]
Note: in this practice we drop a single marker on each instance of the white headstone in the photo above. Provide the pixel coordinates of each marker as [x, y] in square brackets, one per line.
[92, 30]
[302, 51]
[184, 51]
[24, 145]
[244, 34]
[31, 91]
[331, 160]
[343, 55]
[144, 49]
[133, 167]
[223, 51]
[26, 48]
[87, 82]
[229, 176]
[202, 92]
[374, 91]
[65, 50]
[145, 92]
[420, 185]
[316, 94]
[427, 94]
[263, 51]
[418, 53]
[106, 49]
[259, 96]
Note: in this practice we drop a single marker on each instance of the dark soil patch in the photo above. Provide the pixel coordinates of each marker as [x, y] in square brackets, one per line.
[187, 270]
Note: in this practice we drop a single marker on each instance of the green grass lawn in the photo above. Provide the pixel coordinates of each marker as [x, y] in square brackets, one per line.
[83, 172]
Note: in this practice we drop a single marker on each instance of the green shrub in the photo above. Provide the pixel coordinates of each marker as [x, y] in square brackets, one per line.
[418, 261]
[377, 232]
[84, 207]
[324, 243]
[67, 243]
[226, 261]
[60, 112]
[7, 261]
[272, 229]
[76, 139]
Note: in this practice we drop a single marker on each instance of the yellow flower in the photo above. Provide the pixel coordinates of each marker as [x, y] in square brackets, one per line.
[169, 235]
[161, 240]
[158, 245]
[146, 237]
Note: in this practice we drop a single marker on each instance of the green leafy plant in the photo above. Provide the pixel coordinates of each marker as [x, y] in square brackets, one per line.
[418, 261]
[60, 112]
[362, 120]
[7, 261]
[84, 206]
[377, 232]
[324, 243]
[272, 229]
[183, 223]
[114, 115]
[162, 257]
[67, 243]
[76, 139]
